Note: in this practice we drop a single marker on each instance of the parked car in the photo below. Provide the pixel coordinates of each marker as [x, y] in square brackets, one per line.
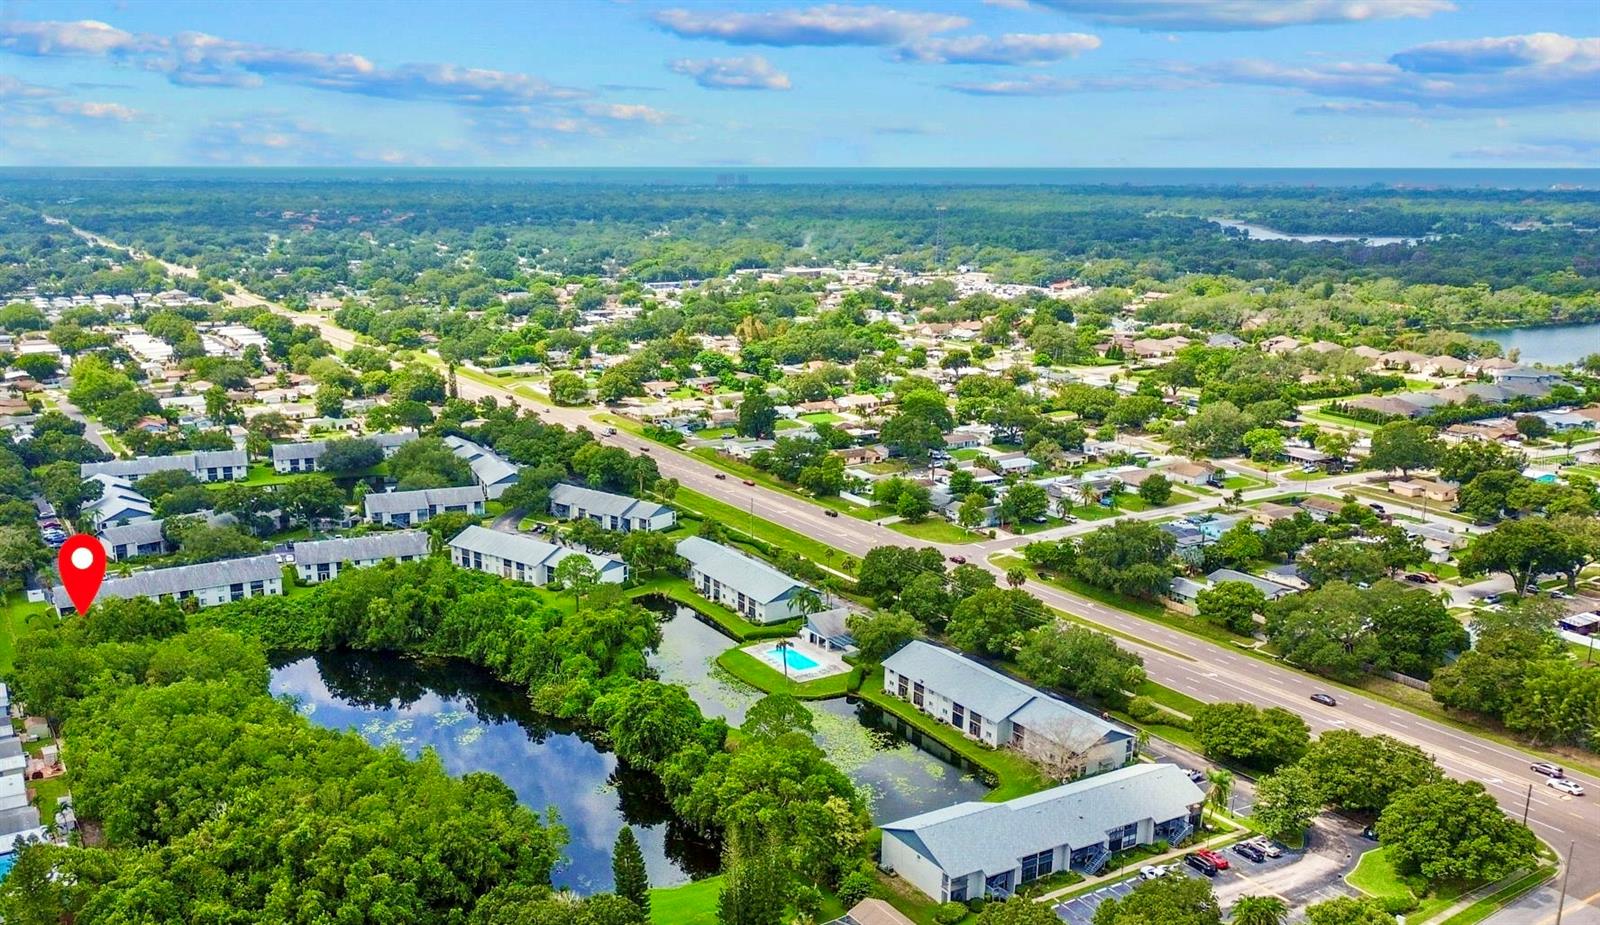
[1249, 852]
[959, 560]
[1151, 871]
[1214, 857]
[1325, 699]
[1375, 506]
[1268, 847]
[1562, 785]
[1201, 864]
[1198, 777]
[1547, 769]
[1369, 833]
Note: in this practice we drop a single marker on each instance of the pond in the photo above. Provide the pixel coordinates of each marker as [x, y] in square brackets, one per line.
[900, 771]
[475, 723]
[1551, 344]
[1263, 233]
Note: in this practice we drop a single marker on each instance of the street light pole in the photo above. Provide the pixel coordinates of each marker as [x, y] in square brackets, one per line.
[1526, 803]
[1561, 905]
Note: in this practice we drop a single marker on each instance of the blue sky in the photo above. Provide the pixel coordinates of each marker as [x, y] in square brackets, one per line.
[1348, 83]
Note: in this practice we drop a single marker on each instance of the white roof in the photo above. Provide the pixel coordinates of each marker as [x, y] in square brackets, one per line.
[752, 577]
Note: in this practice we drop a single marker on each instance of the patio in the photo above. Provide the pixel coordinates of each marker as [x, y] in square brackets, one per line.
[805, 661]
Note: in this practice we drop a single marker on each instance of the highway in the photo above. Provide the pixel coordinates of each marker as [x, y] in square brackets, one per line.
[1186, 663]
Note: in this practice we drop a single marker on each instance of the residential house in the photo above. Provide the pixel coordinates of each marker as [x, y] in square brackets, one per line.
[872, 912]
[1445, 366]
[408, 508]
[1268, 513]
[963, 440]
[857, 455]
[207, 466]
[1321, 508]
[118, 504]
[828, 630]
[1403, 360]
[1192, 473]
[977, 849]
[490, 469]
[1430, 489]
[1000, 711]
[209, 584]
[1271, 589]
[611, 511]
[321, 560]
[747, 586]
[129, 541]
[302, 457]
[1186, 591]
[523, 558]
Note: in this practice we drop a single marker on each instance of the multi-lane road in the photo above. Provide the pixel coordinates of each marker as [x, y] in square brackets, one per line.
[1190, 664]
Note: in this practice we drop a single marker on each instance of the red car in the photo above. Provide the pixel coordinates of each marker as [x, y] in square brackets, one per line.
[1214, 857]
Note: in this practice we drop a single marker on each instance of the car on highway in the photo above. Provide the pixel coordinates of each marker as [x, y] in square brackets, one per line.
[721, 476]
[750, 482]
[1568, 787]
[1547, 769]
[1325, 699]
[1201, 864]
[610, 431]
[1214, 857]
[830, 512]
[1250, 852]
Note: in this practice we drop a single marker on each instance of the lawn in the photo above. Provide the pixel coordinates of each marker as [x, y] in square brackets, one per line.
[935, 530]
[45, 794]
[679, 591]
[821, 417]
[763, 677]
[764, 531]
[694, 903]
[1488, 905]
[1242, 483]
[1016, 775]
[14, 613]
[1376, 876]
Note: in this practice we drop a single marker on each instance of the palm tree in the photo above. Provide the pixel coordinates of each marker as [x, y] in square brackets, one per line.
[783, 648]
[1016, 576]
[1221, 787]
[808, 602]
[1259, 910]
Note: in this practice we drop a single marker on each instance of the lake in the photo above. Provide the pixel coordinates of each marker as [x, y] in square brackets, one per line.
[1263, 233]
[900, 773]
[1551, 344]
[475, 723]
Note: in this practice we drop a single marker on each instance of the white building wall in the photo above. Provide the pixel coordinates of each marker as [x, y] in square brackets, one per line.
[913, 867]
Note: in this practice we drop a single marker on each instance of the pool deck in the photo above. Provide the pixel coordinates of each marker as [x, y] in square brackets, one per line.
[828, 663]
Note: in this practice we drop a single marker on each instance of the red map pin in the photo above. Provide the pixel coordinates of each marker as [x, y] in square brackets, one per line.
[82, 566]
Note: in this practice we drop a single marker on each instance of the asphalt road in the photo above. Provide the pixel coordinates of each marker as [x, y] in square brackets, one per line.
[1186, 663]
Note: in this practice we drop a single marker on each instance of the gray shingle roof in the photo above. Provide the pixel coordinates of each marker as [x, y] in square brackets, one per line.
[356, 548]
[991, 837]
[392, 502]
[144, 465]
[134, 534]
[488, 467]
[751, 577]
[523, 549]
[313, 449]
[1271, 589]
[157, 582]
[993, 695]
[604, 503]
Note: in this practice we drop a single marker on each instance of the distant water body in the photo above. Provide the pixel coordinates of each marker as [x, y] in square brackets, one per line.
[1423, 178]
[1263, 233]
[1552, 345]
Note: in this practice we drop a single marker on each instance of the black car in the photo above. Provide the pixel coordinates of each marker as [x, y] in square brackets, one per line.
[1250, 852]
[1325, 699]
[1369, 833]
[1201, 864]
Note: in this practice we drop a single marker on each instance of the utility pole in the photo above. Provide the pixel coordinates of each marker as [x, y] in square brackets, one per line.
[1561, 904]
[1527, 803]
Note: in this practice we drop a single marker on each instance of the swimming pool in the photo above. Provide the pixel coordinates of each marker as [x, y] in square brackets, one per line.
[796, 660]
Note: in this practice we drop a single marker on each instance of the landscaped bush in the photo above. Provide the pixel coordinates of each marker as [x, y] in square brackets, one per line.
[1144, 710]
[856, 886]
[1400, 905]
[949, 913]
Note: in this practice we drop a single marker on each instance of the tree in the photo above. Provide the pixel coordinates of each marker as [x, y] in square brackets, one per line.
[1164, 900]
[350, 455]
[1081, 660]
[1453, 830]
[311, 498]
[914, 503]
[1023, 501]
[776, 715]
[1051, 556]
[628, 874]
[263, 429]
[1240, 544]
[1286, 801]
[1016, 577]
[1264, 443]
[914, 435]
[1531, 425]
[1403, 445]
[757, 414]
[647, 722]
[1259, 910]
[1521, 549]
[1021, 912]
[880, 634]
[1217, 429]
[1363, 773]
[577, 573]
[1233, 604]
[1346, 561]
[1490, 677]
[1221, 781]
[1347, 910]
[1131, 557]
[65, 489]
[754, 885]
[973, 511]
[648, 552]
[1156, 490]
[989, 621]
[21, 552]
[1256, 738]
[569, 389]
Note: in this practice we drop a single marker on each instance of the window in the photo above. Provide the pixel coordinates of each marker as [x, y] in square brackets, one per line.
[1125, 837]
[958, 715]
[257, 587]
[974, 724]
[1038, 865]
[903, 687]
[1018, 733]
[916, 693]
[958, 891]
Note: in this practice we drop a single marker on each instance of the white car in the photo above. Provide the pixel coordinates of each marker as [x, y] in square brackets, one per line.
[1569, 787]
[1152, 871]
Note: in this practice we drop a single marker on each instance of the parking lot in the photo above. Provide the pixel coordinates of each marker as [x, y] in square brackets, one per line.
[1300, 878]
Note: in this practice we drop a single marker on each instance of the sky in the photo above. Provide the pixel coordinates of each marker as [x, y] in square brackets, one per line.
[751, 83]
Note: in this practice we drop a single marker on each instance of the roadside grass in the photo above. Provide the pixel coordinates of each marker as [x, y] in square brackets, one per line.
[1243, 483]
[935, 530]
[1488, 905]
[764, 531]
[1375, 875]
[764, 677]
[693, 903]
[1015, 775]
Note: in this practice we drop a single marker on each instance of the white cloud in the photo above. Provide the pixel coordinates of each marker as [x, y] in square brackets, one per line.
[828, 25]
[751, 72]
[86, 37]
[1237, 15]
[1546, 51]
[1045, 85]
[1009, 49]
